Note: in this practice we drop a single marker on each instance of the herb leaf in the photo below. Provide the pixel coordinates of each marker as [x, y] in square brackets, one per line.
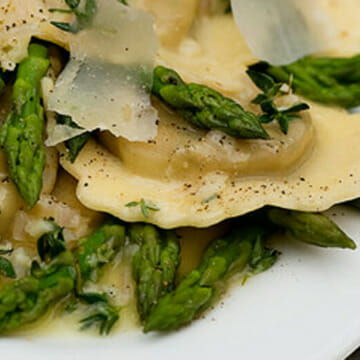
[144, 206]
[76, 144]
[64, 11]
[63, 26]
[132, 204]
[82, 17]
[73, 4]
[103, 314]
[210, 198]
[271, 90]
[6, 268]
[52, 243]
[262, 81]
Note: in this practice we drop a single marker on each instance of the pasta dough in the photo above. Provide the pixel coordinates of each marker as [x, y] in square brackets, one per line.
[201, 182]
[192, 189]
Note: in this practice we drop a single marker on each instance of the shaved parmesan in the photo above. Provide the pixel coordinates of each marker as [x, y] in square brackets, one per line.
[56, 132]
[107, 82]
[282, 31]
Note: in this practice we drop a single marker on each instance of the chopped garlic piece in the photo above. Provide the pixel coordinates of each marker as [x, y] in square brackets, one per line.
[107, 81]
[21, 260]
[282, 31]
[38, 228]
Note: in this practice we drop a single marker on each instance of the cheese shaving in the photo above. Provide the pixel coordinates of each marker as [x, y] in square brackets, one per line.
[282, 31]
[107, 82]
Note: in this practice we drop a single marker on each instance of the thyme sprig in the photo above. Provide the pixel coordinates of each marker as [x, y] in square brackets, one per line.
[272, 90]
[144, 206]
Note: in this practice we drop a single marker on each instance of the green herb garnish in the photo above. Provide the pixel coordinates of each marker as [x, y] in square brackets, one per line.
[144, 206]
[6, 268]
[52, 243]
[82, 17]
[271, 90]
[210, 198]
[76, 144]
[102, 313]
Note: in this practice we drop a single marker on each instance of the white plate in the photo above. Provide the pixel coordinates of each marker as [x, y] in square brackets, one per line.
[307, 307]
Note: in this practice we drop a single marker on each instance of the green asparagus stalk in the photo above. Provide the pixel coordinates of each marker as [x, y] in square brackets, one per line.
[205, 107]
[22, 133]
[76, 144]
[312, 228]
[332, 81]
[27, 299]
[154, 265]
[198, 289]
[99, 249]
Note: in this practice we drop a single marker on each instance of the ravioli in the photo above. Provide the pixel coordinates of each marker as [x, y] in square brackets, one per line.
[199, 178]
[20, 20]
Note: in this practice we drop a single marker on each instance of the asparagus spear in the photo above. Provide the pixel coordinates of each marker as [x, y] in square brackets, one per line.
[27, 299]
[332, 81]
[198, 289]
[99, 249]
[205, 107]
[154, 265]
[312, 228]
[74, 145]
[21, 135]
